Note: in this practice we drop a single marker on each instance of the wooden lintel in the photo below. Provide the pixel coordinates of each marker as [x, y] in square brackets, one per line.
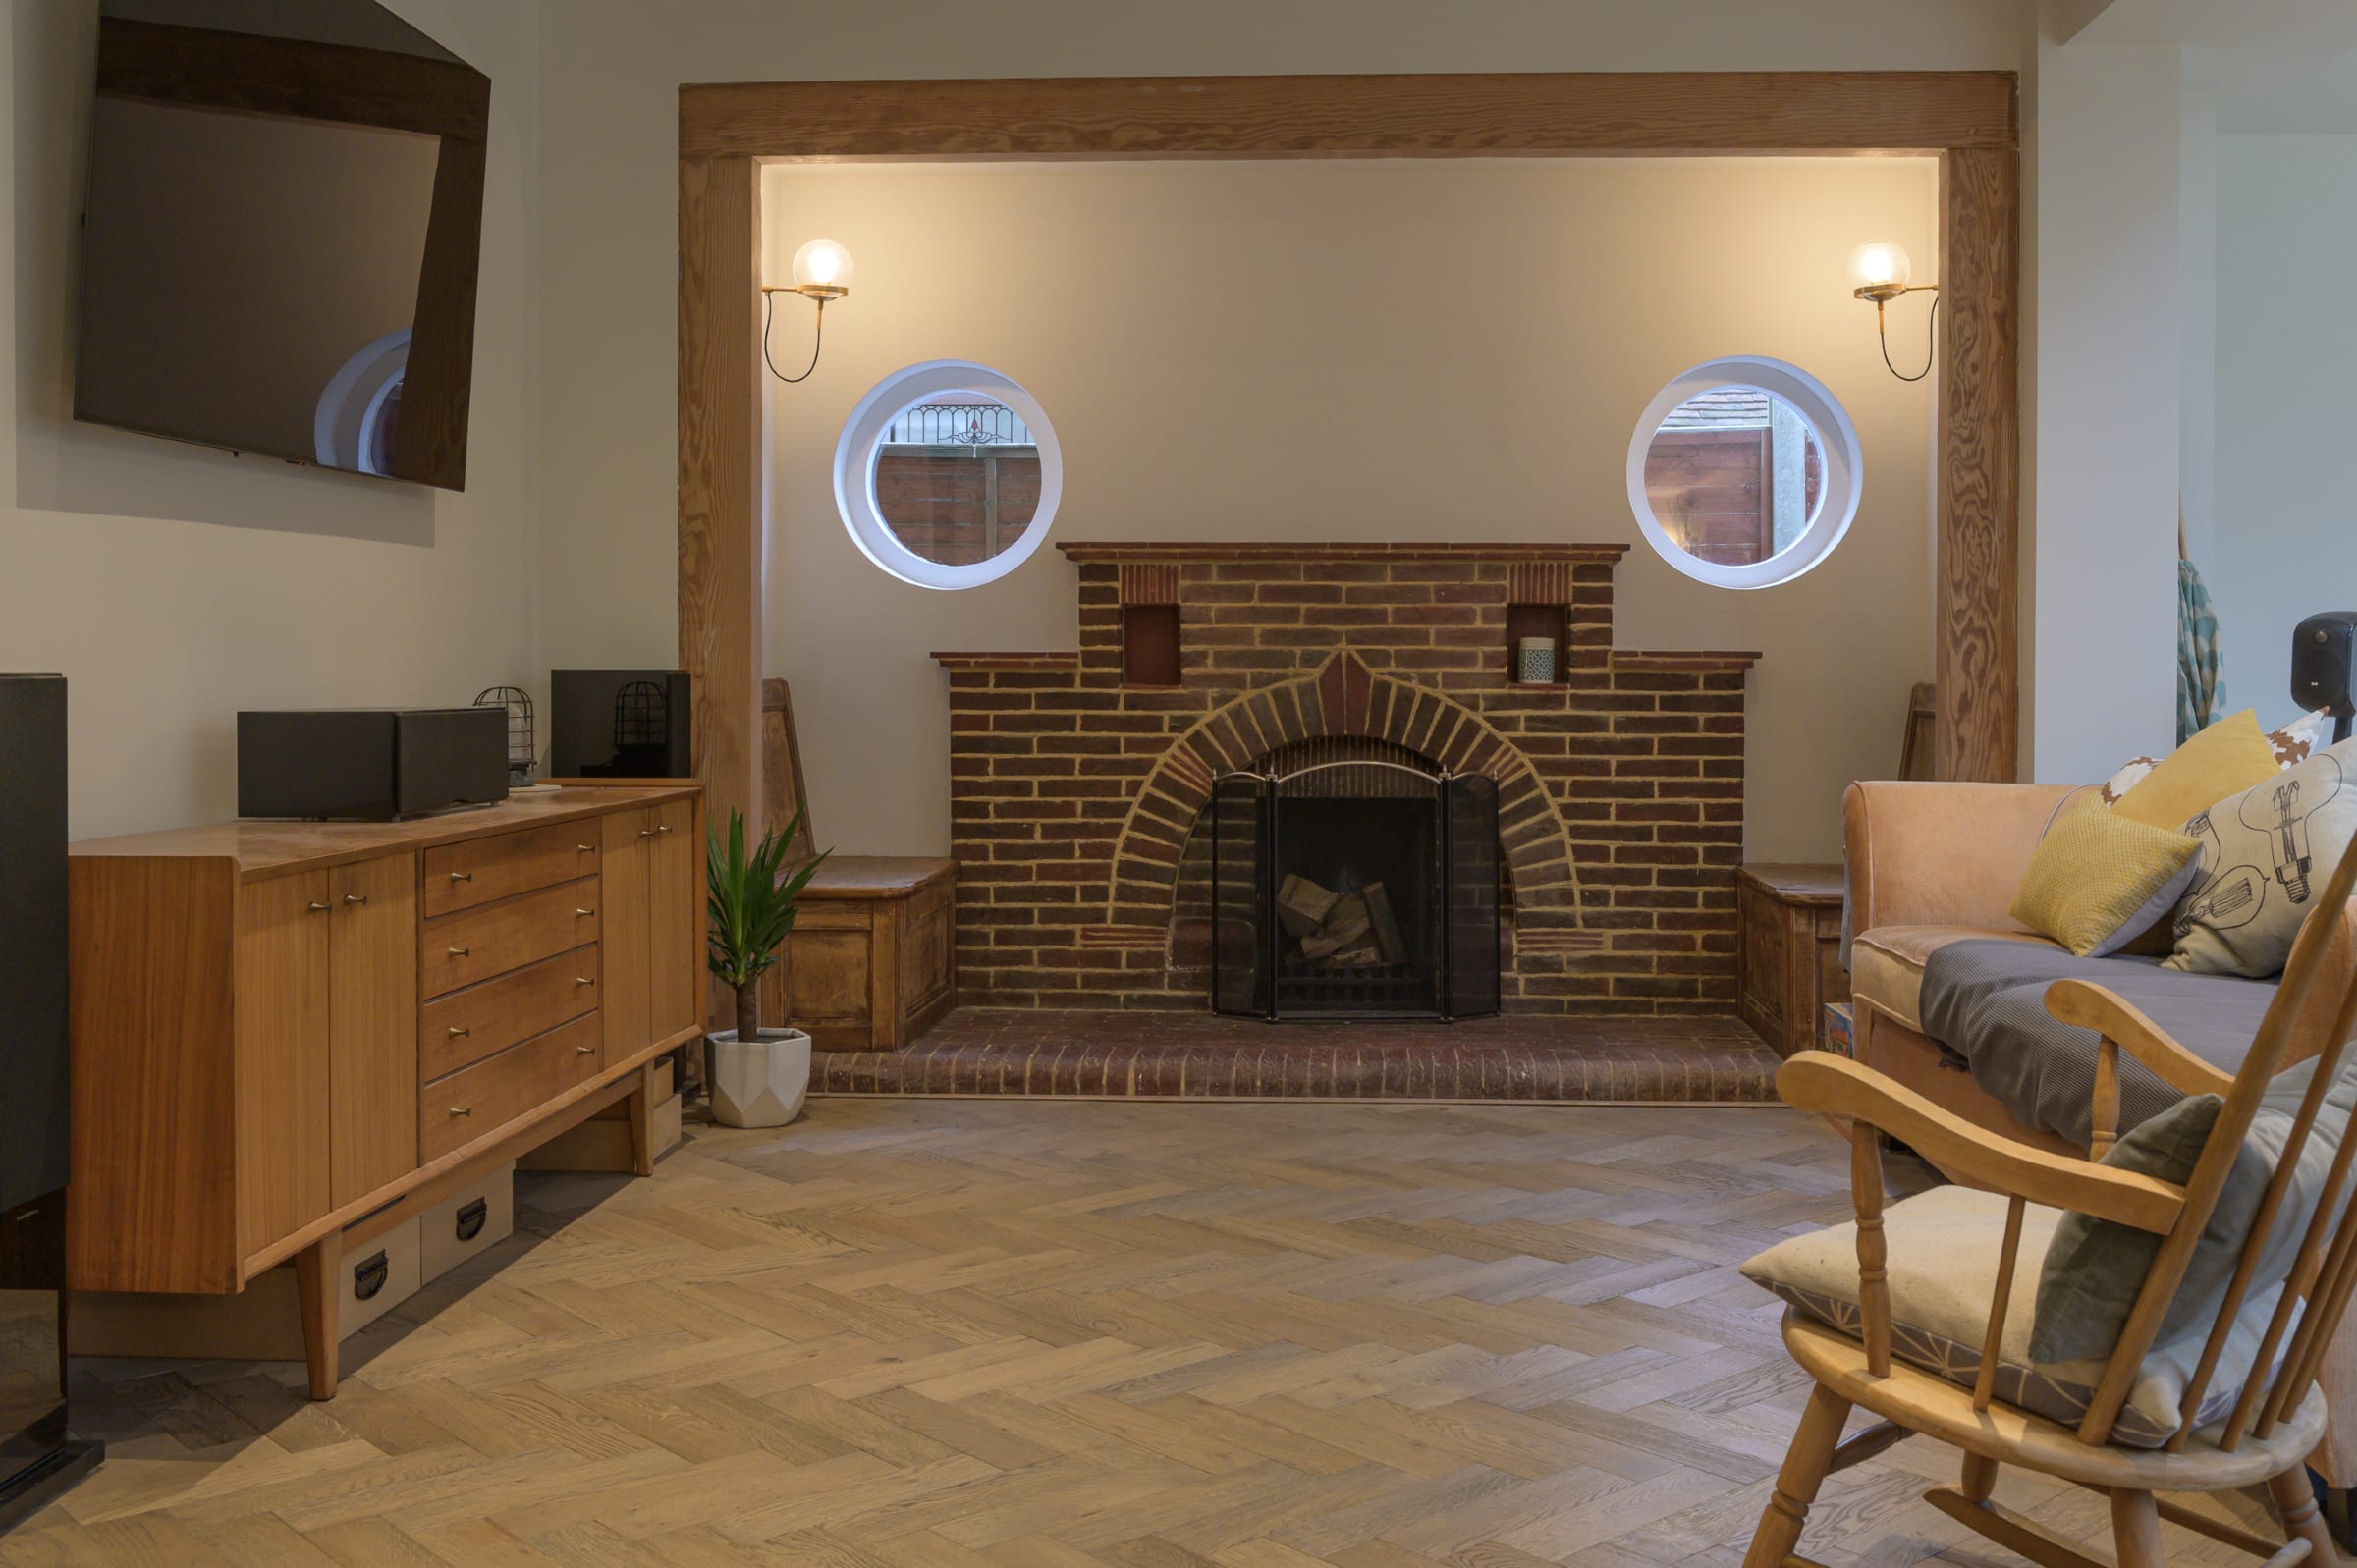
[1409, 115]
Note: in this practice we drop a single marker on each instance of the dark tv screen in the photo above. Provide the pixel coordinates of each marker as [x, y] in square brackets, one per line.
[280, 234]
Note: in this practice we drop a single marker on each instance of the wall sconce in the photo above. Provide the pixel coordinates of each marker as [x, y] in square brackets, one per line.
[822, 271]
[1879, 271]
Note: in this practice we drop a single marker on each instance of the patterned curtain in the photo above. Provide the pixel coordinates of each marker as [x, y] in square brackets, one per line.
[2201, 671]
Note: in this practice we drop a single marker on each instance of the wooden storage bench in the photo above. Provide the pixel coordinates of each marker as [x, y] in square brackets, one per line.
[1788, 953]
[872, 961]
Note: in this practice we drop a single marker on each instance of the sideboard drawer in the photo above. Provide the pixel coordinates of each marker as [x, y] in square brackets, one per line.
[481, 871]
[482, 1020]
[478, 943]
[465, 1105]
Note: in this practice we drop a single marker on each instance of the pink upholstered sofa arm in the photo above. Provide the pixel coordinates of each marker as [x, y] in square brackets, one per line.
[1939, 854]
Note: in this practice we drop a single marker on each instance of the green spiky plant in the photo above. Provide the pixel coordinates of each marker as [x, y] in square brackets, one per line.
[752, 904]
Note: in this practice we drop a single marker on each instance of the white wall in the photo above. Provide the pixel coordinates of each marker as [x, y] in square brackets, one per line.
[2197, 334]
[174, 585]
[609, 209]
[1409, 351]
[2286, 533]
[2101, 404]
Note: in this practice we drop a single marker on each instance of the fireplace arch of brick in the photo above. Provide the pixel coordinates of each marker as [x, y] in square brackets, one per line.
[1342, 698]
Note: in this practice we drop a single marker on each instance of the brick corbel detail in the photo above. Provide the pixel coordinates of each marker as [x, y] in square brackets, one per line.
[1342, 698]
[1149, 582]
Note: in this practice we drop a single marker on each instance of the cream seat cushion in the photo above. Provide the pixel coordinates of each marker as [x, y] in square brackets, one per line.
[1944, 1250]
[1885, 964]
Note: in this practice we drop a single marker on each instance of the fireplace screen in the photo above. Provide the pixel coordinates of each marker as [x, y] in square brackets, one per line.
[1355, 890]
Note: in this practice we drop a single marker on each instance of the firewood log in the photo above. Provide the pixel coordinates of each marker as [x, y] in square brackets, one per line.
[1303, 906]
[1383, 924]
[1345, 926]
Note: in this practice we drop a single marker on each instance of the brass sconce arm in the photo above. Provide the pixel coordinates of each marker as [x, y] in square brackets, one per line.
[1882, 293]
[769, 297]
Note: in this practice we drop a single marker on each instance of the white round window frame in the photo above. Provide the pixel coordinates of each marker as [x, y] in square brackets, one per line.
[1845, 468]
[856, 471]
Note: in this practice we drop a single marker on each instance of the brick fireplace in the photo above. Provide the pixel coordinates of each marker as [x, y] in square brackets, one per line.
[1080, 781]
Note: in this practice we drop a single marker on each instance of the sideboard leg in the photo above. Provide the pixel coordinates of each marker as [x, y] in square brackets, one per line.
[317, 1282]
[641, 1103]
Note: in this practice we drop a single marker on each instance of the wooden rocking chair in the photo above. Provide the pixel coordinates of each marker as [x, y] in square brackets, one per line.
[2272, 1423]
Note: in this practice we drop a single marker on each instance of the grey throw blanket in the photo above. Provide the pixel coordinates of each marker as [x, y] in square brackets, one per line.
[1986, 1001]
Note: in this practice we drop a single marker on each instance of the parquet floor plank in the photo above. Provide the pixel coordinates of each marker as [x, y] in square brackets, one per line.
[1009, 1333]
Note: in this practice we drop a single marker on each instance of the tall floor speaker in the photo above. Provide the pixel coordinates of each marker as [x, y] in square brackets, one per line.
[38, 1456]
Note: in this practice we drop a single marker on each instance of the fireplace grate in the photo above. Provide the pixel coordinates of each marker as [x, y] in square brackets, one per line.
[1352, 990]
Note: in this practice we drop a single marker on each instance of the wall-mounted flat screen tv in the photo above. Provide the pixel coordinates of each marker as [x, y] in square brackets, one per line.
[280, 237]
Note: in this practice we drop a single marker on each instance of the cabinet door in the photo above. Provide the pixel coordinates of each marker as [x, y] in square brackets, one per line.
[372, 1023]
[675, 877]
[626, 992]
[282, 1036]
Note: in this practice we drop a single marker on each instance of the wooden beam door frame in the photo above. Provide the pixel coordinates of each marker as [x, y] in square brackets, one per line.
[1968, 119]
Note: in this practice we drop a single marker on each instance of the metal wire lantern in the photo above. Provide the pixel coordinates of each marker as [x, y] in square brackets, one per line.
[523, 756]
[641, 716]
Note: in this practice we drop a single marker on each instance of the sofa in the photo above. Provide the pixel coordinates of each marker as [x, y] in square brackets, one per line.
[1934, 864]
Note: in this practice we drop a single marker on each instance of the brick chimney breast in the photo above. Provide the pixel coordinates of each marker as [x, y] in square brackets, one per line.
[1077, 795]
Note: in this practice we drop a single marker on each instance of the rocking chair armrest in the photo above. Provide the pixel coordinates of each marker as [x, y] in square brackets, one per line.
[2109, 1015]
[1835, 1086]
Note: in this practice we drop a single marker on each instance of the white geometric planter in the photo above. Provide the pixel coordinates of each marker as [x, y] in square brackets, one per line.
[759, 1083]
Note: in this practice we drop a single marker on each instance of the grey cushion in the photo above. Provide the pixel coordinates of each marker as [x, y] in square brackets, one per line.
[2094, 1268]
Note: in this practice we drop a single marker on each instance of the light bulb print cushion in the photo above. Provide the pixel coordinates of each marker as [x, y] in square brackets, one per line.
[2266, 856]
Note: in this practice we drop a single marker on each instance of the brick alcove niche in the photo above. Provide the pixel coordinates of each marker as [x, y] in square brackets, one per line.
[1078, 780]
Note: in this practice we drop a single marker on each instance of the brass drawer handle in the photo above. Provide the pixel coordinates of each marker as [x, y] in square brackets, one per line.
[318, 907]
[462, 876]
[460, 952]
[462, 1110]
[583, 980]
[662, 827]
[584, 848]
[580, 911]
[584, 1051]
[646, 833]
[355, 897]
[456, 1029]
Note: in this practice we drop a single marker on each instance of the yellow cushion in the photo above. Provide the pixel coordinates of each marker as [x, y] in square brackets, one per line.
[2225, 759]
[2101, 878]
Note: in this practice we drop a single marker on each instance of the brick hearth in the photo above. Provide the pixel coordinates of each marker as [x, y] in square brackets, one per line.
[1076, 793]
[1070, 1053]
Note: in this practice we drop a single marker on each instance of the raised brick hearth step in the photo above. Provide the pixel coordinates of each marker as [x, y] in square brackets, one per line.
[1091, 1054]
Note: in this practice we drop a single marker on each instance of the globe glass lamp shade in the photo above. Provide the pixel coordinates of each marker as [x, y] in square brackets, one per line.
[822, 269]
[1879, 271]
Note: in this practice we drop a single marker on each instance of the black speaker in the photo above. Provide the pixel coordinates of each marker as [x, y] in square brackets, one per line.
[620, 724]
[2324, 651]
[370, 764]
[38, 1459]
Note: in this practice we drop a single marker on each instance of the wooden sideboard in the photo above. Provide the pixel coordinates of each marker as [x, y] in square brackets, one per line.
[289, 1037]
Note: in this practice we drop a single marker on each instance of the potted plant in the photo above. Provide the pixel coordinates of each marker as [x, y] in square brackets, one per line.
[757, 1076]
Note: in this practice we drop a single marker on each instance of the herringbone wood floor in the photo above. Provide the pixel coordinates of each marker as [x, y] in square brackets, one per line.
[989, 1334]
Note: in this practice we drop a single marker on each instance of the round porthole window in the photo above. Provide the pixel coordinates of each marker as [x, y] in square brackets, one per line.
[948, 474]
[1744, 472]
